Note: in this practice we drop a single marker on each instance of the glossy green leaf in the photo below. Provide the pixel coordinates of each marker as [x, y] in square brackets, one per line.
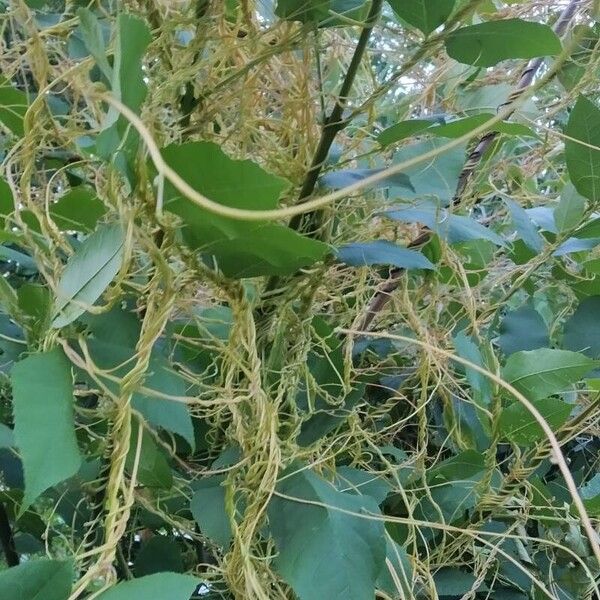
[425, 15]
[88, 273]
[322, 552]
[581, 152]
[382, 252]
[41, 579]
[13, 106]
[486, 44]
[91, 33]
[540, 373]
[582, 328]
[160, 586]
[523, 329]
[208, 509]
[43, 411]
[78, 210]
[570, 209]
[518, 425]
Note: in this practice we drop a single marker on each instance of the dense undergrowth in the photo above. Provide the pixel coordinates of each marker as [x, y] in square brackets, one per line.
[301, 299]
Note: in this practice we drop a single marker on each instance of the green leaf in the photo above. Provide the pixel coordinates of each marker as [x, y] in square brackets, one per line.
[581, 152]
[523, 329]
[266, 250]
[398, 562]
[402, 130]
[7, 438]
[38, 580]
[582, 328]
[382, 252]
[322, 552]
[590, 494]
[436, 177]
[355, 481]
[453, 582]
[7, 204]
[43, 410]
[91, 33]
[322, 12]
[460, 127]
[570, 209]
[153, 468]
[160, 586]
[78, 210]
[467, 348]
[88, 273]
[35, 306]
[518, 425]
[540, 373]
[453, 228]
[525, 227]
[159, 554]
[425, 15]
[486, 44]
[13, 106]
[342, 179]
[208, 509]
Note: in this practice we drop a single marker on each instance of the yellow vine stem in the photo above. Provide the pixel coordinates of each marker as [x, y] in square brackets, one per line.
[119, 496]
[554, 444]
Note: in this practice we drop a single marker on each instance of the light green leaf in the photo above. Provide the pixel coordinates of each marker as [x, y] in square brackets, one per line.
[37, 580]
[13, 106]
[582, 328]
[91, 34]
[78, 210]
[43, 411]
[581, 152]
[570, 209]
[486, 44]
[322, 552]
[425, 15]
[525, 227]
[590, 494]
[540, 373]
[160, 586]
[88, 273]
[7, 438]
[208, 509]
[382, 252]
[518, 425]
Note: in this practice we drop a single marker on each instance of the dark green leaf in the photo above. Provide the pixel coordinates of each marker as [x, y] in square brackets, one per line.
[425, 15]
[159, 554]
[453, 582]
[518, 425]
[322, 552]
[523, 329]
[43, 410]
[581, 152]
[398, 562]
[467, 348]
[382, 252]
[540, 373]
[78, 210]
[487, 44]
[208, 509]
[88, 273]
[153, 469]
[160, 586]
[322, 12]
[582, 328]
[37, 580]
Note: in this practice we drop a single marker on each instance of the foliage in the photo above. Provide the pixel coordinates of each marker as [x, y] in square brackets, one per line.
[300, 299]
